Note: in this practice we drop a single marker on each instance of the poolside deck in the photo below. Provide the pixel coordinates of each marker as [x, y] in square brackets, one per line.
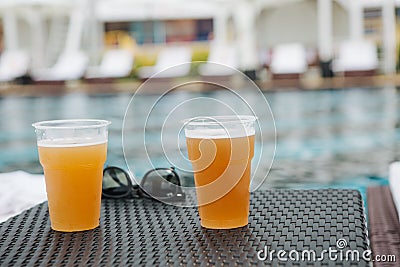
[131, 85]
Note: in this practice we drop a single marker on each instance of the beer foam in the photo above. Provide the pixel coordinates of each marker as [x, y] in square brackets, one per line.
[218, 133]
[71, 142]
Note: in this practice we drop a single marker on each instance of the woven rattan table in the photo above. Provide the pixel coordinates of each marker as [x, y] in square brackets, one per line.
[136, 232]
[384, 226]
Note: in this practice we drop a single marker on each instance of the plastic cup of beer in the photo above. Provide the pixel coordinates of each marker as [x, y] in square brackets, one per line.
[72, 153]
[220, 149]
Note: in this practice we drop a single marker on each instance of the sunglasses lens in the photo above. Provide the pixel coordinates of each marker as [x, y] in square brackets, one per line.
[161, 184]
[115, 182]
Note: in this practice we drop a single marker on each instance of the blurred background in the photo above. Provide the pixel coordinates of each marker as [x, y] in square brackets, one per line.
[39, 33]
[328, 69]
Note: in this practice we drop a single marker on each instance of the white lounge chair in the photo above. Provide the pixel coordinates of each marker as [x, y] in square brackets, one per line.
[394, 177]
[71, 65]
[13, 64]
[356, 57]
[225, 56]
[288, 60]
[116, 63]
[167, 58]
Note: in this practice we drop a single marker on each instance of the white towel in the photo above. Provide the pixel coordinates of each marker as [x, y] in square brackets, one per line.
[19, 191]
[394, 183]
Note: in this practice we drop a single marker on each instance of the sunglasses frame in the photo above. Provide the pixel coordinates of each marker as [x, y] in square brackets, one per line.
[136, 191]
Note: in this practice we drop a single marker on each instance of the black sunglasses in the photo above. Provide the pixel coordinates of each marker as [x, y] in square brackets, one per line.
[162, 184]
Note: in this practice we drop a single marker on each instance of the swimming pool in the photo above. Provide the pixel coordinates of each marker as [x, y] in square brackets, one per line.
[327, 138]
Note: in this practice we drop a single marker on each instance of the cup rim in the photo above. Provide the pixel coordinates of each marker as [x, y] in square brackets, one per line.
[218, 120]
[59, 124]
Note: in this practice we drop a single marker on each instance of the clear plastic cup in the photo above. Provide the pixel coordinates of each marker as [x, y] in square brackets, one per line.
[220, 149]
[72, 153]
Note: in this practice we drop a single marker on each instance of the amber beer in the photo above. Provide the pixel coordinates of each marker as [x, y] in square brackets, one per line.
[73, 184]
[221, 155]
[72, 153]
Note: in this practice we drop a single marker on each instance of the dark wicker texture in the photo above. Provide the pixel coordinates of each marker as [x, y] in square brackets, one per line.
[384, 226]
[145, 232]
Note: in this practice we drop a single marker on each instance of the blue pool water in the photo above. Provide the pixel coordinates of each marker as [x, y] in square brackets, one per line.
[328, 138]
